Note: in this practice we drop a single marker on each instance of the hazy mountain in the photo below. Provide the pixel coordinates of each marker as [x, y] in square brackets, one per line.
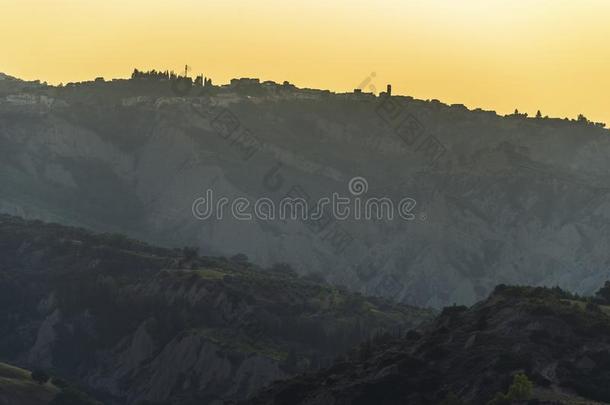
[557, 342]
[131, 322]
[499, 199]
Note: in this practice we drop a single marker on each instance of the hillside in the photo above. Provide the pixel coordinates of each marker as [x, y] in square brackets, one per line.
[18, 388]
[499, 199]
[471, 355]
[129, 321]
[24, 387]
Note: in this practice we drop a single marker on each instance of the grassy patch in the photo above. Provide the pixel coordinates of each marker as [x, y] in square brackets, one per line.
[17, 387]
[210, 274]
[583, 306]
[229, 341]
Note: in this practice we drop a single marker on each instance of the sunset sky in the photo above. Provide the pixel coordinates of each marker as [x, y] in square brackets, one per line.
[552, 55]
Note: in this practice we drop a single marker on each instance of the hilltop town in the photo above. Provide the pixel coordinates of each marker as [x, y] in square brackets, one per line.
[167, 83]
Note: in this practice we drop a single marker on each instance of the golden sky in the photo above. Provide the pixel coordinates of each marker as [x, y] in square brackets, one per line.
[552, 55]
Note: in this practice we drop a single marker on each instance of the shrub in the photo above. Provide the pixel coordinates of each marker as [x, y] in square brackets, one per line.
[520, 390]
[58, 382]
[603, 294]
[453, 310]
[40, 376]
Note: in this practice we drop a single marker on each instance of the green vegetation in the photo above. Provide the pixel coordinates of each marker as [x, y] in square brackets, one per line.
[520, 390]
[17, 386]
[603, 294]
[40, 376]
[210, 274]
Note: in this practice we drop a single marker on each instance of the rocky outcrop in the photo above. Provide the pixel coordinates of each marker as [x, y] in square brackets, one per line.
[189, 366]
[40, 353]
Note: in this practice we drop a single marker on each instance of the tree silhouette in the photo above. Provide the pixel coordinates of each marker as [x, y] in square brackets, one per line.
[603, 293]
[40, 376]
[582, 119]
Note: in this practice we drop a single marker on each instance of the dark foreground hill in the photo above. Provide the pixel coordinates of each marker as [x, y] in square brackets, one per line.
[132, 322]
[557, 342]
